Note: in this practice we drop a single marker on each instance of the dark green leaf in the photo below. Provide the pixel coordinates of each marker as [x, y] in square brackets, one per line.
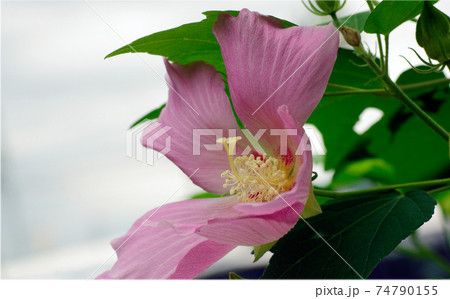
[149, 116]
[422, 155]
[433, 33]
[363, 230]
[401, 139]
[388, 15]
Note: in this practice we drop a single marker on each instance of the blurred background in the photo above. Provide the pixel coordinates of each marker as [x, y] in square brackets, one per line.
[68, 187]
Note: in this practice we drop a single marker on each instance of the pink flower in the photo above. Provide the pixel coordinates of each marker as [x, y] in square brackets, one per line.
[279, 73]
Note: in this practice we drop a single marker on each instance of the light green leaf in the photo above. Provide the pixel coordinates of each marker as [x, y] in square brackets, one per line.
[205, 195]
[375, 169]
[312, 207]
[233, 275]
[259, 251]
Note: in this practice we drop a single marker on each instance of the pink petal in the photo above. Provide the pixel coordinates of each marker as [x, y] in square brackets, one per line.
[147, 252]
[251, 231]
[186, 216]
[219, 220]
[197, 101]
[226, 220]
[268, 66]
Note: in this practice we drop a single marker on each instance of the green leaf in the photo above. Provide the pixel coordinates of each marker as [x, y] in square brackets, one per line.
[414, 150]
[149, 116]
[388, 15]
[362, 230]
[205, 195]
[415, 153]
[433, 33]
[443, 198]
[185, 44]
[259, 251]
[233, 275]
[411, 76]
[375, 169]
[335, 116]
[312, 206]
[356, 21]
[348, 71]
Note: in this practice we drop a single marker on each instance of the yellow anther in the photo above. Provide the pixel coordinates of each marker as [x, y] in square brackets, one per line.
[258, 180]
[255, 179]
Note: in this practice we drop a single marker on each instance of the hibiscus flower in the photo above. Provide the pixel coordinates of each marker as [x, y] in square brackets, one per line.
[276, 78]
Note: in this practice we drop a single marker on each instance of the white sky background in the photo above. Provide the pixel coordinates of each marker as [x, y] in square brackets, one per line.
[67, 186]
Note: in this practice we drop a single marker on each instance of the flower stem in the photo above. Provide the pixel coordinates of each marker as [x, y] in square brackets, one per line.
[420, 85]
[339, 86]
[395, 90]
[377, 91]
[348, 90]
[380, 46]
[422, 184]
[401, 95]
[386, 55]
[336, 21]
[438, 190]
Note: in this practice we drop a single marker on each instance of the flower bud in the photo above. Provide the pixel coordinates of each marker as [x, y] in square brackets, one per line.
[324, 7]
[329, 6]
[433, 33]
[351, 36]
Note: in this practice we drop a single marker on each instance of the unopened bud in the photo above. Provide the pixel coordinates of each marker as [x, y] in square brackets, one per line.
[433, 33]
[329, 6]
[351, 36]
[324, 7]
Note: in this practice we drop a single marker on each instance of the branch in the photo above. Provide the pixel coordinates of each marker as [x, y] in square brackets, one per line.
[422, 184]
[348, 90]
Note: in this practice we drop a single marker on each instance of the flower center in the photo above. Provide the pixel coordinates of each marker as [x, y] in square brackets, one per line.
[255, 179]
